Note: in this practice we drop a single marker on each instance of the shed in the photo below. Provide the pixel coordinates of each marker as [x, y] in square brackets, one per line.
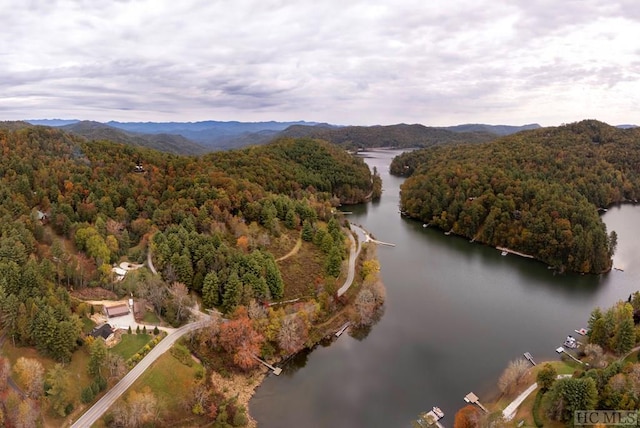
[116, 310]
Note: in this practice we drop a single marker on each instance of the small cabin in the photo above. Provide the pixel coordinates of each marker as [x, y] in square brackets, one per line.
[138, 168]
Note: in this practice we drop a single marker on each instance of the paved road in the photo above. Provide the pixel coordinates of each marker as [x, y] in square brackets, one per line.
[353, 256]
[101, 406]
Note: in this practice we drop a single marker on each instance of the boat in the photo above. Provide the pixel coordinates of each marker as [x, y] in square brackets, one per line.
[570, 342]
[582, 331]
[504, 253]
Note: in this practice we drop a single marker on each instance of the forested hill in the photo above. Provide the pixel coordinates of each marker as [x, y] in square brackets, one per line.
[400, 136]
[537, 192]
[70, 208]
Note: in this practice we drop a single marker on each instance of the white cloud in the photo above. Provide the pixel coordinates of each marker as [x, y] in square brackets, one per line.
[356, 62]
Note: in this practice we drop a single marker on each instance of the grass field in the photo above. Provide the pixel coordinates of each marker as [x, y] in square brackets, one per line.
[170, 381]
[151, 318]
[130, 344]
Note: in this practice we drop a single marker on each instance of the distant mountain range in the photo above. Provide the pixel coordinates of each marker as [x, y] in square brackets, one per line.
[194, 138]
[170, 143]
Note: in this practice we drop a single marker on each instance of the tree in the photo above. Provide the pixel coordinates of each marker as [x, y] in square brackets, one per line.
[293, 333]
[239, 339]
[211, 290]
[28, 414]
[5, 372]
[333, 264]
[594, 354]
[181, 299]
[568, 395]
[58, 389]
[467, 417]
[97, 357]
[31, 375]
[513, 374]
[307, 231]
[115, 366]
[546, 377]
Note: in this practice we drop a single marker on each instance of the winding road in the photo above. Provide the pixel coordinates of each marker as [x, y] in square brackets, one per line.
[102, 405]
[353, 256]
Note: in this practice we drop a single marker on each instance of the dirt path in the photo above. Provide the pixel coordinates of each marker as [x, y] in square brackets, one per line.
[294, 251]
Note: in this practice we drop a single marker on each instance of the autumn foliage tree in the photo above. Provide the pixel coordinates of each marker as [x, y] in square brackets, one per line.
[30, 374]
[239, 338]
[467, 417]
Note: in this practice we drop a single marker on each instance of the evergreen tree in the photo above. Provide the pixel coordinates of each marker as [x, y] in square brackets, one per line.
[333, 262]
[307, 231]
[232, 292]
[210, 290]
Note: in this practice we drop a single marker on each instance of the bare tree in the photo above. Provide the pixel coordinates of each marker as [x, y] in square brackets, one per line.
[293, 333]
[594, 354]
[155, 291]
[181, 299]
[30, 374]
[115, 365]
[365, 306]
[513, 374]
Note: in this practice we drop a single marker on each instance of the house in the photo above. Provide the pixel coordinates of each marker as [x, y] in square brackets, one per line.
[104, 331]
[119, 273]
[116, 310]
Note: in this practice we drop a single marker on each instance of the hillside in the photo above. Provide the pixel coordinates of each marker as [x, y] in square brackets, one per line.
[537, 192]
[399, 136]
[493, 129]
[169, 143]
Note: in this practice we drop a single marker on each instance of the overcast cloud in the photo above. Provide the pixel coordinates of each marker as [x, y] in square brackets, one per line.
[360, 62]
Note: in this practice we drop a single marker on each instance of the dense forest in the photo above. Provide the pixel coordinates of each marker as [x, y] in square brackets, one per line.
[538, 192]
[70, 208]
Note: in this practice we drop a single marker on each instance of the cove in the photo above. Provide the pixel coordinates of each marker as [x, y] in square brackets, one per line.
[456, 314]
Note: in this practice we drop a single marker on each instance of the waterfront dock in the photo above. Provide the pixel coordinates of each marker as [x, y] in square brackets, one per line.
[472, 398]
[343, 328]
[528, 356]
[517, 253]
[276, 370]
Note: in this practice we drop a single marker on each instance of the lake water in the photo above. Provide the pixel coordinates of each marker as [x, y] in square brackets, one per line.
[456, 314]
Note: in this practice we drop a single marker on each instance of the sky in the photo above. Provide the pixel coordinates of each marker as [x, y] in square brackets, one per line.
[348, 62]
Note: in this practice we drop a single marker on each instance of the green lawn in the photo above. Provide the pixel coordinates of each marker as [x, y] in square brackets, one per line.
[151, 318]
[170, 381]
[87, 324]
[130, 344]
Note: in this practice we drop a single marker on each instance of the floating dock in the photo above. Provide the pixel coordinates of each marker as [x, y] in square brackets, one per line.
[582, 331]
[343, 328]
[473, 399]
[528, 356]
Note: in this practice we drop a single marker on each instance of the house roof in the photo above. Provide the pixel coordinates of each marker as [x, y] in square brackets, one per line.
[119, 271]
[103, 331]
[117, 310]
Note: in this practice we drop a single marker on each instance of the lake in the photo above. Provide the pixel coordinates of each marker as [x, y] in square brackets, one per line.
[456, 314]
